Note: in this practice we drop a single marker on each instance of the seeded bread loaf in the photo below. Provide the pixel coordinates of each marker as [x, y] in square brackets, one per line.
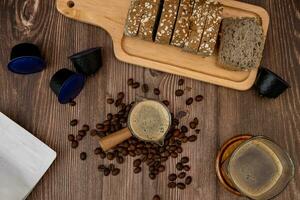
[197, 23]
[133, 18]
[149, 20]
[242, 43]
[181, 29]
[167, 21]
[211, 30]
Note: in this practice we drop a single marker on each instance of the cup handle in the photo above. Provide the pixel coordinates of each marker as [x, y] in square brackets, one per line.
[114, 139]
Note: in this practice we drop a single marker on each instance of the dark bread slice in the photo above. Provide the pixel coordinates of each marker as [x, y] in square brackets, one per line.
[133, 18]
[167, 21]
[242, 43]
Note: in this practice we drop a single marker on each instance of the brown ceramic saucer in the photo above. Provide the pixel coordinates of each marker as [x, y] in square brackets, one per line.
[223, 157]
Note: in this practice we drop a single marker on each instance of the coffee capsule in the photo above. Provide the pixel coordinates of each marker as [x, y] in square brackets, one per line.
[87, 62]
[269, 84]
[25, 58]
[67, 85]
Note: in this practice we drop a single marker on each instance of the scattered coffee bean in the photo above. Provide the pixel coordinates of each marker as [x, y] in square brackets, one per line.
[110, 156]
[115, 171]
[101, 168]
[100, 126]
[184, 129]
[199, 98]
[172, 177]
[197, 131]
[179, 92]
[102, 155]
[78, 137]
[193, 125]
[189, 101]
[192, 138]
[137, 170]
[174, 155]
[166, 102]
[188, 180]
[74, 122]
[171, 185]
[180, 82]
[72, 103]
[156, 91]
[184, 160]
[83, 156]
[156, 197]
[130, 82]
[137, 162]
[120, 159]
[85, 127]
[179, 166]
[74, 144]
[121, 95]
[136, 85]
[97, 151]
[179, 149]
[161, 168]
[109, 116]
[110, 100]
[82, 133]
[71, 137]
[152, 176]
[181, 186]
[181, 175]
[106, 171]
[186, 168]
[145, 88]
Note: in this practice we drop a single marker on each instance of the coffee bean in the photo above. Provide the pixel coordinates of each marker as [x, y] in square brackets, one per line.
[78, 137]
[179, 92]
[120, 95]
[137, 163]
[71, 137]
[115, 171]
[186, 168]
[72, 103]
[130, 81]
[181, 175]
[174, 155]
[93, 132]
[156, 197]
[172, 177]
[199, 98]
[118, 102]
[179, 150]
[176, 132]
[110, 156]
[179, 166]
[74, 122]
[181, 186]
[192, 138]
[196, 120]
[100, 126]
[156, 91]
[109, 116]
[161, 168]
[188, 180]
[83, 156]
[180, 82]
[193, 125]
[145, 88]
[106, 171]
[85, 127]
[184, 129]
[101, 168]
[152, 176]
[184, 160]
[132, 154]
[97, 151]
[171, 185]
[166, 102]
[102, 155]
[136, 85]
[189, 101]
[197, 131]
[184, 139]
[137, 170]
[120, 159]
[82, 133]
[125, 152]
[74, 144]
[110, 100]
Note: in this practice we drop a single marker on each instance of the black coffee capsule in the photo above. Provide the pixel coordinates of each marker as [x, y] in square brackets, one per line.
[269, 84]
[25, 58]
[87, 62]
[67, 85]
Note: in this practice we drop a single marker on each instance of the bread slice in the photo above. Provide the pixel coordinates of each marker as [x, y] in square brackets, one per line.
[211, 30]
[197, 23]
[133, 18]
[150, 19]
[167, 21]
[181, 29]
[242, 43]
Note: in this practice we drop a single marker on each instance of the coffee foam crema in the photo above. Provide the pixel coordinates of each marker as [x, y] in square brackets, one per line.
[149, 120]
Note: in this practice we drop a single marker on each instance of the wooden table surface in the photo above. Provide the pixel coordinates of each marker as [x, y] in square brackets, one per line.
[224, 112]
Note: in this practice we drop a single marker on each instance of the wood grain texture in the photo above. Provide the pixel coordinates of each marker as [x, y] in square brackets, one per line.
[223, 113]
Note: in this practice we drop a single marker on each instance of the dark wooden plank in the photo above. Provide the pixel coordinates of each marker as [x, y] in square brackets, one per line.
[224, 112]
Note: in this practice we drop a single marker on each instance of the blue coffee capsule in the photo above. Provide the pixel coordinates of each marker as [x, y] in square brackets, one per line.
[67, 85]
[268, 84]
[25, 58]
[87, 62]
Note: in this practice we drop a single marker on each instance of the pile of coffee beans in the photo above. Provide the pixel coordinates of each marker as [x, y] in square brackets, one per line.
[149, 155]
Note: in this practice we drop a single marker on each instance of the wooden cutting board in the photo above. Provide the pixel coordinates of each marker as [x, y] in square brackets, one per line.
[111, 15]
